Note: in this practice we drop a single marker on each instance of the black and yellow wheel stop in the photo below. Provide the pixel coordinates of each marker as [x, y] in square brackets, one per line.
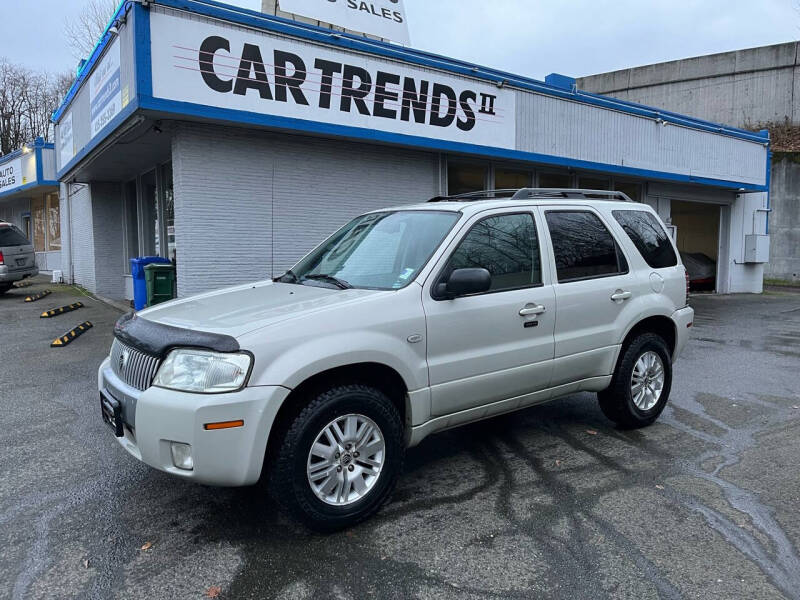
[54, 312]
[71, 335]
[38, 296]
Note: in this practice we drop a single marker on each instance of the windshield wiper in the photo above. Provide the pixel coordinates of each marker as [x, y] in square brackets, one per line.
[289, 273]
[340, 283]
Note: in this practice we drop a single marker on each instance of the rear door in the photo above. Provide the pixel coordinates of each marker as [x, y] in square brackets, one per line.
[496, 345]
[594, 289]
[17, 251]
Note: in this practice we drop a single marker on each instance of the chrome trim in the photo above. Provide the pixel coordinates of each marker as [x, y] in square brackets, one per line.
[133, 366]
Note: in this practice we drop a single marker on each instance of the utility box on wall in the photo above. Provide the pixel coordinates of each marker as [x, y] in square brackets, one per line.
[756, 248]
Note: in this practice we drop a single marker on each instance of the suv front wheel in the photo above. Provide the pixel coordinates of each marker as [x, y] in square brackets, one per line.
[640, 388]
[340, 458]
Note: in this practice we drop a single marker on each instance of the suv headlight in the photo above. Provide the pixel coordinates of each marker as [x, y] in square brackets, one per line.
[203, 371]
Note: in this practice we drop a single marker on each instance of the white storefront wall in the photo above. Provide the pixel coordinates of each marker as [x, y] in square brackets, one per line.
[376, 140]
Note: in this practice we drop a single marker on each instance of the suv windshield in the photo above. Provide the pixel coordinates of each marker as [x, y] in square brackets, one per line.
[382, 251]
[11, 236]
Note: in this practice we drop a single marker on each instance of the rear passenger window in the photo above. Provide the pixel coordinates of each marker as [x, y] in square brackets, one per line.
[507, 246]
[583, 247]
[648, 236]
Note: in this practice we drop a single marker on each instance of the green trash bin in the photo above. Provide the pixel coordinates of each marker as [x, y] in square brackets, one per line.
[160, 283]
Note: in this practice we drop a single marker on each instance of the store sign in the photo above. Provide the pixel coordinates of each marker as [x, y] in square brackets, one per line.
[383, 18]
[66, 142]
[105, 95]
[11, 175]
[243, 70]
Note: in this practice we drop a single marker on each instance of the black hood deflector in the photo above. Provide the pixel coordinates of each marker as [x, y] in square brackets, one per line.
[157, 339]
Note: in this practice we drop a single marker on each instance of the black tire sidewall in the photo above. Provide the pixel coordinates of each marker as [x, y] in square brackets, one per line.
[331, 404]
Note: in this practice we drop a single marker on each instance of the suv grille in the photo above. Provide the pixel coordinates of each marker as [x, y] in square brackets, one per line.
[132, 366]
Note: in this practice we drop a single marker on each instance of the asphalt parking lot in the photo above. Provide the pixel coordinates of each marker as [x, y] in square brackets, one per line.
[553, 502]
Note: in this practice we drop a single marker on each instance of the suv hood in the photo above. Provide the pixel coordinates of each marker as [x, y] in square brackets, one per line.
[242, 309]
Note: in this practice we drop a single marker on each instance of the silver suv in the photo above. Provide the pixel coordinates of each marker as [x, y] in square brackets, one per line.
[17, 259]
[405, 322]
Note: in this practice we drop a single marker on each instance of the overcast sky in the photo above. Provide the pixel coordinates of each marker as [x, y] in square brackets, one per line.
[526, 37]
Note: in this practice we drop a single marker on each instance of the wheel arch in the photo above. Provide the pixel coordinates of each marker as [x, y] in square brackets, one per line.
[661, 325]
[374, 374]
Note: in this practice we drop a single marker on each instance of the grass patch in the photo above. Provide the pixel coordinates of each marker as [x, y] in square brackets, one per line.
[781, 282]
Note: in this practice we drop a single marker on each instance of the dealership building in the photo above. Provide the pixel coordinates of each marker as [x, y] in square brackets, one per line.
[234, 141]
[29, 199]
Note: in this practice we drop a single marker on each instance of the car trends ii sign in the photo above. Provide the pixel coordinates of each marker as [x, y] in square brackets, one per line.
[244, 70]
[384, 18]
[11, 176]
[105, 94]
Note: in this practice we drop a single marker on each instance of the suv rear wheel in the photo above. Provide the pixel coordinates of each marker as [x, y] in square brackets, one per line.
[640, 388]
[340, 458]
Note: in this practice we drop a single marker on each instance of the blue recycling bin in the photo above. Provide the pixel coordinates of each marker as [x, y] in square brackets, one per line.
[139, 281]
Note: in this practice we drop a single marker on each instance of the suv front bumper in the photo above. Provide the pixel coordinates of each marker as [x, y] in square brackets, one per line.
[157, 417]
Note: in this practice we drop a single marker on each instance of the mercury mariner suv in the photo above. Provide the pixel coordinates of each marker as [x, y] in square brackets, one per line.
[405, 322]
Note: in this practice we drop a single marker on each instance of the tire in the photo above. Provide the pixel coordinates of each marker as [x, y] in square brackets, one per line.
[619, 403]
[289, 480]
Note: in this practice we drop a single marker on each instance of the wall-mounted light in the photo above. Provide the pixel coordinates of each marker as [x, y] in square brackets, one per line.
[113, 30]
[26, 149]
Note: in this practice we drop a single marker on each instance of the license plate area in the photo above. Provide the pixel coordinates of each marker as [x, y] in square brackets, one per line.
[21, 262]
[111, 410]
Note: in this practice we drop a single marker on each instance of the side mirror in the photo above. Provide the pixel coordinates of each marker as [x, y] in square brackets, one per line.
[465, 282]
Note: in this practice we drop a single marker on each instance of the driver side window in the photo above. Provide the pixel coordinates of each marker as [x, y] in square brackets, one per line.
[505, 245]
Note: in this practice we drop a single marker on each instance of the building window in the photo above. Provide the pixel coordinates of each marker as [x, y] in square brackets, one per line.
[509, 179]
[169, 210]
[632, 190]
[593, 183]
[555, 180]
[39, 218]
[53, 222]
[463, 178]
[130, 225]
[148, 215]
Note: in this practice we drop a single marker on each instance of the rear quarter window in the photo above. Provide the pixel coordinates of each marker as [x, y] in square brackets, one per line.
[9, 236]
[649, 237]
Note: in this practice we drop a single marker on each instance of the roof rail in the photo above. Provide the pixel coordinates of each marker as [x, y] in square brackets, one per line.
[531, 193]
[481, 195]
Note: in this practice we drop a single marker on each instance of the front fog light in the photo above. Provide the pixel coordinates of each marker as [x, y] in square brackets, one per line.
[182, 456]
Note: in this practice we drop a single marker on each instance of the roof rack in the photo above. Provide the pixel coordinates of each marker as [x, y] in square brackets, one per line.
[530, 193]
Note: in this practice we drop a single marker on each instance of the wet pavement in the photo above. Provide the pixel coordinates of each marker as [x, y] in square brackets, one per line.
[552, 502]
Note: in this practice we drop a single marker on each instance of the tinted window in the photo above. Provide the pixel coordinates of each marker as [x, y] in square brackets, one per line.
[10, 236]
[507, 247]
[648, 236]
[583, 246]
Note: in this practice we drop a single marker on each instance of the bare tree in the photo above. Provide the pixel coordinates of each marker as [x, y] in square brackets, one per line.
[83, 31]
[27, 101]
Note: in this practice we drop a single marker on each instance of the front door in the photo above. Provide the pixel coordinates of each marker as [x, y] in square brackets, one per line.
[496, 345]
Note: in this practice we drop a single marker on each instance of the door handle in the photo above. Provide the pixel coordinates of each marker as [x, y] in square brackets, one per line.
[619, 296]
[532, 309]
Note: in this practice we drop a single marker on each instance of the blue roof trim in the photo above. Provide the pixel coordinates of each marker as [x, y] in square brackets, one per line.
[112, 125]
[89, 64]
[28, 186]
[314, 127]
[258, 20]
[143, 51]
